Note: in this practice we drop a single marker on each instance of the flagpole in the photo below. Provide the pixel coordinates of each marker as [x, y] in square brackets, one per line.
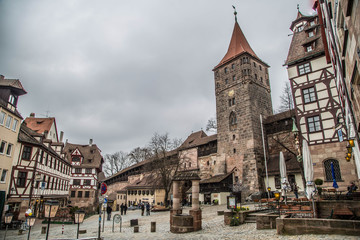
[267, 177]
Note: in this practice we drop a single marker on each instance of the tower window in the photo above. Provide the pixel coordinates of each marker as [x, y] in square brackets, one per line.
[255, 77]
[309, 95]
[261, 79]
[232, 119]
[314, 124]
[233, 66]
[234, 137]
[231, 102]
[225, 70]
[234, 150]
[254, 64]
[260, 68]
[234, 78]
[217, 85]
[304, 68]
[226, 81]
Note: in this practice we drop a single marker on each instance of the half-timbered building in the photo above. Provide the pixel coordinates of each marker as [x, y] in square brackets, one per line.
[86, 162]
[10, 90]
[316, 101]
[39, 173]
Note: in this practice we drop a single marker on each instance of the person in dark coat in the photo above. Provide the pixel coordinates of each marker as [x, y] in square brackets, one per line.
[142, 209]
[108, 210]
[147, 209]
[125, 209]
[122, 208]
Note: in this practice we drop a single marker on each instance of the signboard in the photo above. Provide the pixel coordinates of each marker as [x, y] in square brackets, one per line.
[105, 200]
[231, 202]
[340, 135]
[103, 188]
[117, 218]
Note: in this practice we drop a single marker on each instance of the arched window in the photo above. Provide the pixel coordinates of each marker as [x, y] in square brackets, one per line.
[232, 121]
[328, 173]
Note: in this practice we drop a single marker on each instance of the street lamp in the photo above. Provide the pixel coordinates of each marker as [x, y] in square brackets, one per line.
[30, 221]
[8, 218]
[277, 197]
[51, 208]
[79, 218]
[351, 142]
[349, 148]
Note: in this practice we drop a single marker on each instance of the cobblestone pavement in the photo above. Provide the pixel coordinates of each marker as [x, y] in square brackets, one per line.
[213, 228]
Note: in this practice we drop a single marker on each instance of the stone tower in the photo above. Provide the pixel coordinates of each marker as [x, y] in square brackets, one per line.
[242, 92]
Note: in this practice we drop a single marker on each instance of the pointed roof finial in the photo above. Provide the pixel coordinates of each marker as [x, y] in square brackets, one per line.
[298, 8]
[235, 13]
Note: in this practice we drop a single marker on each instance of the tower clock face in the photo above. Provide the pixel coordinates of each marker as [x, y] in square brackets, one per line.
[231, 93]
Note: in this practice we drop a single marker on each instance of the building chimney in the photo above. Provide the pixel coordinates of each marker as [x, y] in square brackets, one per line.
[2, 77]
[61, 136]
[32, 114]
[90, 142]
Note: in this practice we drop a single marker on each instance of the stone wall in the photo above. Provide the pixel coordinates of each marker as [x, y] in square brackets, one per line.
[299, 226]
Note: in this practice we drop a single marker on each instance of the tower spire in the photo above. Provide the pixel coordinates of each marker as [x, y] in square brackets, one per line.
[235, 13]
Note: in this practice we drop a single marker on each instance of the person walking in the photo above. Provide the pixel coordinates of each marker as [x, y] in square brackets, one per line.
[296, 191]
[125, 209]
[122, 208]
[108, 210]
[142, 209]
[147, 209]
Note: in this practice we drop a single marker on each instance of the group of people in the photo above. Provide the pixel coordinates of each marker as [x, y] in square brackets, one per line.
[143, 206]
[123, 209]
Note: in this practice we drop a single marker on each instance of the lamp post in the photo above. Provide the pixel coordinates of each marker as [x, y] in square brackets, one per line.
[51, 208]
[30, 221]
[8, 218]
[277, 197]
[79, 218]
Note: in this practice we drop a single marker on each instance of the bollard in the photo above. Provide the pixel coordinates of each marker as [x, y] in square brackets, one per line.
[136, 229]
[153, 226]
[43, 229]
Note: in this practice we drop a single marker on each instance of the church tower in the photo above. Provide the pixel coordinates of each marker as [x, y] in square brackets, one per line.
[242, 92]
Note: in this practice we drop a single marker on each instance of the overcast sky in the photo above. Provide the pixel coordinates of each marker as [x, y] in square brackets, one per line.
[117, 71]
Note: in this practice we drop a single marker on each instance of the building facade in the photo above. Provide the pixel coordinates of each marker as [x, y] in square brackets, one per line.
[39, 173]
[316, 100]
[86, 162]
[10, 118]
[341, 28]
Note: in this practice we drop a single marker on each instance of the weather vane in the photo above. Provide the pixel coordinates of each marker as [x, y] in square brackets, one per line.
[298, 7]
[235, 13]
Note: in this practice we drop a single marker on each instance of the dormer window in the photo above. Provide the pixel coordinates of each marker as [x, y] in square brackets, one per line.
[311, 34]
[300, 28]
[76, 159]
[312, 23]
[309, 48]
[12, 99]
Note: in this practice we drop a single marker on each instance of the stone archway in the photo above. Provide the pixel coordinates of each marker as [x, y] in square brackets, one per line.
[181, 223]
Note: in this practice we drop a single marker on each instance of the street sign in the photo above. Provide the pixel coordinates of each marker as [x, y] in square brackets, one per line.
[117, 218]
[103, 188]
[105, 200]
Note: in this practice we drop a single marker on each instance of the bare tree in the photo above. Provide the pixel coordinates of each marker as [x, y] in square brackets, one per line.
[165, 163]
[115, 162]
[211, 125]
[286, 99]
[140, 154]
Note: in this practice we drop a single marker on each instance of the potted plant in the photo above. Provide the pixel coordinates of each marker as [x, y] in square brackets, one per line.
[318, 183]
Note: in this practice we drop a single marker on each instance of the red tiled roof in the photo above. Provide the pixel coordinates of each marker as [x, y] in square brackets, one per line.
[237, 46]
[39, 125]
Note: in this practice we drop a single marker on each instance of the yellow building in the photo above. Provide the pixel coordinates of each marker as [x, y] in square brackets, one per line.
[10, 90]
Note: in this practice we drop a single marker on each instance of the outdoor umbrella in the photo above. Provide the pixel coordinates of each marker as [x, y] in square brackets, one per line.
[308, 173]
[284, 181]
[308, 170]
[333, 176]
